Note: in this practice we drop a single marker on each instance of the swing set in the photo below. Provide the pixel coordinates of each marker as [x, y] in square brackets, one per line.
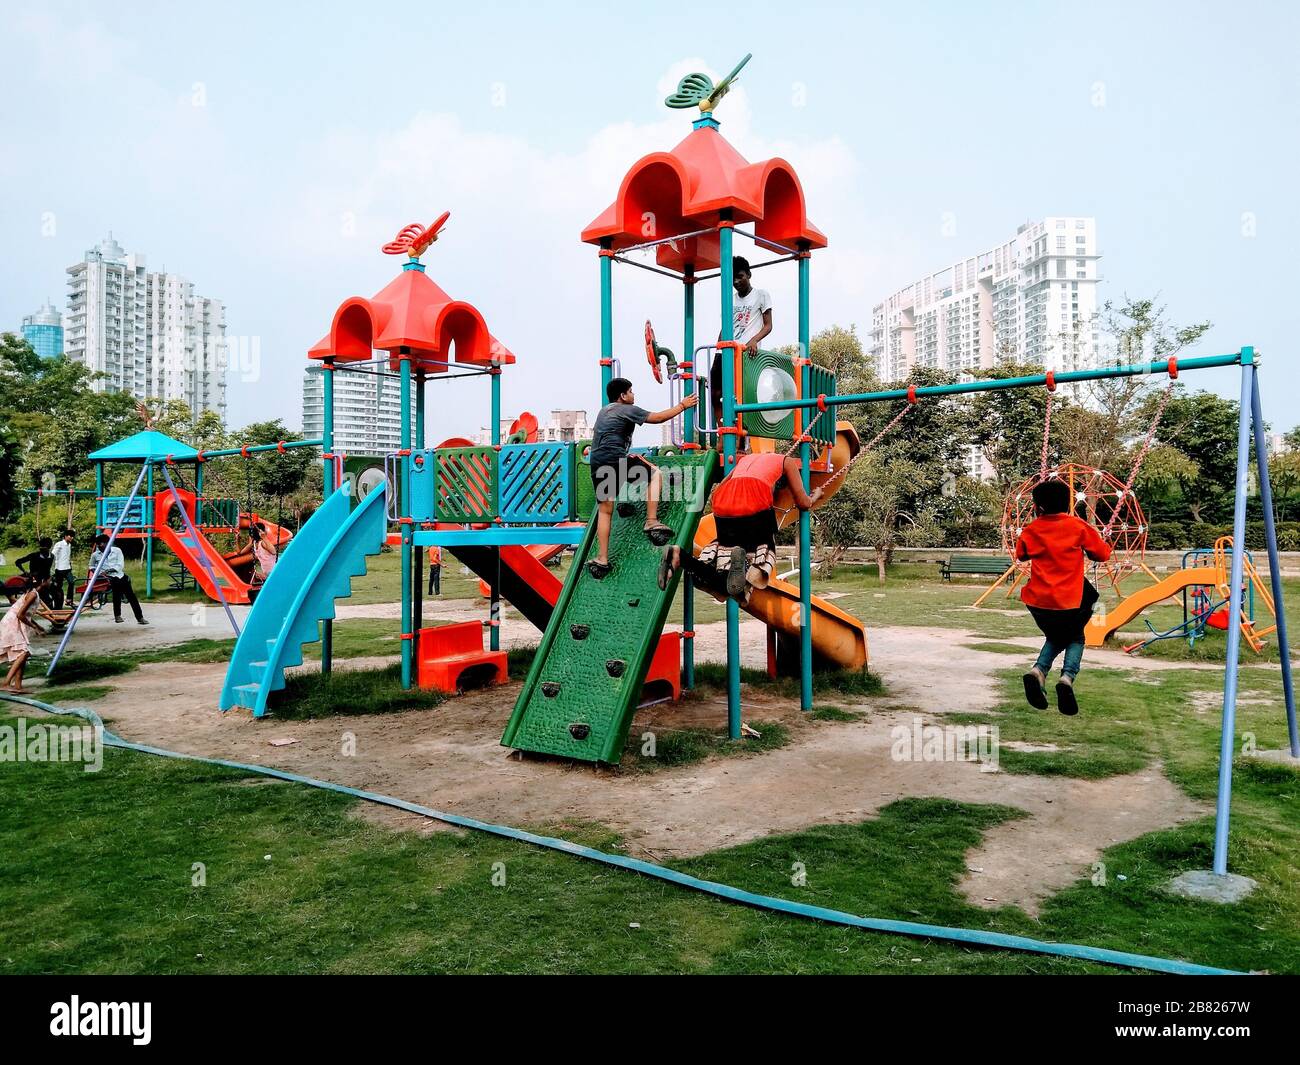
[1100, 498]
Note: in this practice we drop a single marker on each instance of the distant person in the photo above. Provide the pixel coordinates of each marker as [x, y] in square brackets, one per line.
[612, 466]
[264, 555]
[37, 567]
[1058, 595]
[14, 646]
[751, 323]
[743, 552]
[115, 570]
[64, 586]
[435, 570]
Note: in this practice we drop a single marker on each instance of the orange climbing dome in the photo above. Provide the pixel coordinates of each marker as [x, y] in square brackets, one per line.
[686, 189]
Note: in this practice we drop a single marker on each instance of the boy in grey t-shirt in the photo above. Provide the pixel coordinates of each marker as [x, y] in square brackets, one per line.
[612, 466]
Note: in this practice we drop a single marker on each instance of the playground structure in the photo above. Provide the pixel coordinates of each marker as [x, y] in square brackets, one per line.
[603, 640]
[186, 520]
[1206, 594]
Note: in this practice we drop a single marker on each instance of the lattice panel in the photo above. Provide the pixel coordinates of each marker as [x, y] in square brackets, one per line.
[536, 483]
[111, 506]
[466, 484]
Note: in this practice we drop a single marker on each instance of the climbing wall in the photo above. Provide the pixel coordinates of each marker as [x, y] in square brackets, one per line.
[583, 688]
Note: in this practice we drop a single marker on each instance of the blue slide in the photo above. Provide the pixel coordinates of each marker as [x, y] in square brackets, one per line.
[314, 570]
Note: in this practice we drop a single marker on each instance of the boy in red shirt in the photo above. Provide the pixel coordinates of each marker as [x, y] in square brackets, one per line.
[1057, 594]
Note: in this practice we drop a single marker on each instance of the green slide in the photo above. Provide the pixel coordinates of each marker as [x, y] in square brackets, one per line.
[584, 685]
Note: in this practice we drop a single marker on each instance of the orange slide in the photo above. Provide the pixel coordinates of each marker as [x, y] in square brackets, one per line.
[1106, 624]
[234, 571]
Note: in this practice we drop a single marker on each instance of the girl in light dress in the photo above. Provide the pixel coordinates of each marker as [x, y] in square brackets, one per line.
[14, 646]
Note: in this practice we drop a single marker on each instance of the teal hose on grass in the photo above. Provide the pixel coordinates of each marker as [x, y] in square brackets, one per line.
[971, 936]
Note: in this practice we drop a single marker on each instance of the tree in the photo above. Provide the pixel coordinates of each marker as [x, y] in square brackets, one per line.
[1009, 425]
[871, 509]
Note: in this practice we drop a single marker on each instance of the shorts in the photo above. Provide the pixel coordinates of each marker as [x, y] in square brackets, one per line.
[609, 478]
[751, 531]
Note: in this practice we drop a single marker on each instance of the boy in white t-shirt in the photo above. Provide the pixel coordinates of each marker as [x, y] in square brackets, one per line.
[751, 322]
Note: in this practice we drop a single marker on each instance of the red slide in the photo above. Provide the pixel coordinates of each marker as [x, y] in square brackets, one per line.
[511, 556]
[233, 571]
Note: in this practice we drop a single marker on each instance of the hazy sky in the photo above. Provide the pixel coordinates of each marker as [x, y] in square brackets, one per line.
[266, 151]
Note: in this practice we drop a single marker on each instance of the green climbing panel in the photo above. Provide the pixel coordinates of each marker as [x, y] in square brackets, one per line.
[585, 682]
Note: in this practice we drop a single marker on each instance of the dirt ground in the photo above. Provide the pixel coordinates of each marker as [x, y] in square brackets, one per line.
[830, 772]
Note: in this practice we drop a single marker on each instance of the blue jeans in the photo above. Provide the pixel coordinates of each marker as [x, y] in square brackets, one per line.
[1073, 658]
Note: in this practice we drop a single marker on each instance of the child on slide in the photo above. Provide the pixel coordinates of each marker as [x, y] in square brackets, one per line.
[744, 511]
[612, 466]
[1057, 594]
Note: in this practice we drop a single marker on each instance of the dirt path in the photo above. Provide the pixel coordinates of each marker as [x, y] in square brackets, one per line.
[450, 759]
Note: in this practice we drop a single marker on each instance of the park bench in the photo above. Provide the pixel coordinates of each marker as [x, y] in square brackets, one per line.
[986, 565]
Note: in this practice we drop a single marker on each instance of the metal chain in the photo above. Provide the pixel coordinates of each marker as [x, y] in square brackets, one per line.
[1147, 441]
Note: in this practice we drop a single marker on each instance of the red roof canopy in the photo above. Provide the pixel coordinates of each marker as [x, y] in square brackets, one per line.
[411, 312]
[687, 188]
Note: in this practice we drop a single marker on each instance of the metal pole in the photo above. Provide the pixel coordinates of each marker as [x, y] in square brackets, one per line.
[404, 501]
[148, 509]
[728, 462]
[689, 436]
[1274, 564]
[203, 555]
[1227, 738]
[805, 519]
[419, 554]
[494, 612]
[606, 318]
[996, 384]
[90, 584]
[328, 481]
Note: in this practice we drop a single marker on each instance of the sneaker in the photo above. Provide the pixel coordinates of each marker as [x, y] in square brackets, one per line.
[118, 620]
[141, 621]
[1065, 698]
[736, 573]
[1034, 694]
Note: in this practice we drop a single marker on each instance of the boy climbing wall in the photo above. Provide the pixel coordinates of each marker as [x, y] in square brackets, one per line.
[1058, 595]
[612, 466]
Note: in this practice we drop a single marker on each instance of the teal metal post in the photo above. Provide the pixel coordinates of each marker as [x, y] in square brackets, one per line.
[729, 461]
[606, 318]
[805, 519]
[147, 510]
[688, 436]
[330, 486]
[1227, 737]
[404, 496]
[1274, 565]
[419, 553]
[198, 484]
[99, 495]
[494, 616]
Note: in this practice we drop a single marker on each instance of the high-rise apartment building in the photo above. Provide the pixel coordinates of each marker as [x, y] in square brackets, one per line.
[1031, 299]
[43, 330]
[149, 334]
[367, 411]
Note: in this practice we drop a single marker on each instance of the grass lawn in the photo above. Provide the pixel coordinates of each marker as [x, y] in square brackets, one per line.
[100, 867]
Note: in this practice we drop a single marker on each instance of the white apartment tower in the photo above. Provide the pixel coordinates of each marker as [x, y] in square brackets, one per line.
[1032, 299]
[367, 411]
[147, 332]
